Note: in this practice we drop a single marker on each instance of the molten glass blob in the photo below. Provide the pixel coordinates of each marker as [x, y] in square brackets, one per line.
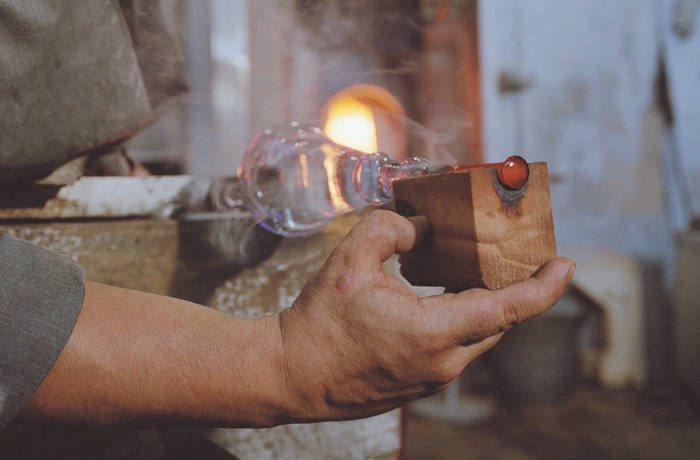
[513, 172]
[294, 179]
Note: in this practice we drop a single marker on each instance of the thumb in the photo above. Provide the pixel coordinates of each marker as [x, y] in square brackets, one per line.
[478, 313]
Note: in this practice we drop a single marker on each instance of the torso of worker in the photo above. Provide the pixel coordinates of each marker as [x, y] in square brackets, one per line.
[78, 75]
[75, 77]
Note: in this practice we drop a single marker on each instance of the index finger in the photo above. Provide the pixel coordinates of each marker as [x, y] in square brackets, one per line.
[378, 236]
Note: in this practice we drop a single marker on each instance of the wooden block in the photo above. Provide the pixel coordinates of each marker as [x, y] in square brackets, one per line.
[483, 235]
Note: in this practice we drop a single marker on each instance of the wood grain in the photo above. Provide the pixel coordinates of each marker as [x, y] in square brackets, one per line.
[482, 234]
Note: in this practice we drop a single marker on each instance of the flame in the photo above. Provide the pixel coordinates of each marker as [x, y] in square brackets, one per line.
[330, 165]
[349, 122]
[304, 166]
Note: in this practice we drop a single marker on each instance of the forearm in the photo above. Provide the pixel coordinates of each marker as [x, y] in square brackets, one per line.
[143, 358]
[357, 342]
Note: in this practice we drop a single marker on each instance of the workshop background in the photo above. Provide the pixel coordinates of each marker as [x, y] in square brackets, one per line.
[606, 92]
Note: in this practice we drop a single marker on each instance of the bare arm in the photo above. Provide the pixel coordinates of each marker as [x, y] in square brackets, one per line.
[357, 342]
[145, 358]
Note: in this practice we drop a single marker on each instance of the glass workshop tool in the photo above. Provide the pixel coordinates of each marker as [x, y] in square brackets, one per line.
[294, 179]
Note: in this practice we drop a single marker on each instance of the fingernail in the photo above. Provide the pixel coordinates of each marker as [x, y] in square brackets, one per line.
[421, 222]
[422, 225]
[572, 269]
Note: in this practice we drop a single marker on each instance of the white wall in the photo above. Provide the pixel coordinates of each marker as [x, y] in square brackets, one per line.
[589, 111]
[680, 36]
[624, 175]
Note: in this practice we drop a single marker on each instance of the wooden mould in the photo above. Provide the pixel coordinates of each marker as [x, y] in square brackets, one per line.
[483, 235]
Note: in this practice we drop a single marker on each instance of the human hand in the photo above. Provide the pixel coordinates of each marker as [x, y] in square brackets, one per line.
[359, 342]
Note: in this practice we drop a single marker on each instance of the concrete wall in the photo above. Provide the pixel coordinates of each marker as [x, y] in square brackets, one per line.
[587, 108]
[609, 94]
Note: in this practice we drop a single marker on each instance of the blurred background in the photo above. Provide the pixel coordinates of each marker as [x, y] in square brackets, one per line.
[608, 93]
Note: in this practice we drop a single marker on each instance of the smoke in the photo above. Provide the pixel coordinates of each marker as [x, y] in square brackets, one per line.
[446, 142]
[385, 44]
[379, 43]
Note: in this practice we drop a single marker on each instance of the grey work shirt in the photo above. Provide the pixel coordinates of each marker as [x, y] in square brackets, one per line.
[40, 297]
[74, 76]
[81, 74]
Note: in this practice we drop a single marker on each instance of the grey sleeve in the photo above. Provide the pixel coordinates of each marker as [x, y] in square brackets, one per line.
[40, 297]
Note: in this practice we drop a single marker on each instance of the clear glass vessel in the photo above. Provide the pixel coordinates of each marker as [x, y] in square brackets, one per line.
[294, 179]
